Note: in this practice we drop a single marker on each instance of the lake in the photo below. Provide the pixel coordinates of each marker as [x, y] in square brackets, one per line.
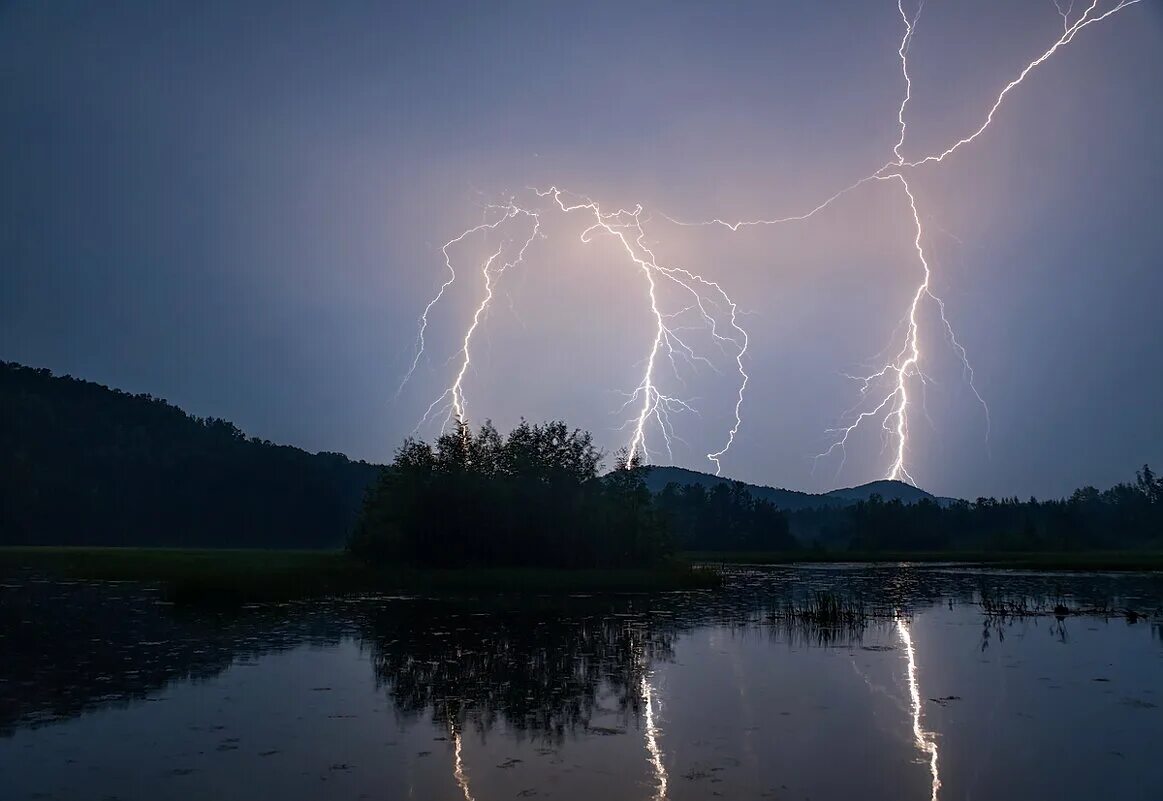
[942, 683]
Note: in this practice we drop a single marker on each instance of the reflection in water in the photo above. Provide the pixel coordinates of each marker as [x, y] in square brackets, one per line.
[541, 674]
[458, 767]
[72, 647]
[652, 740]
[567, 685]
[924, 740]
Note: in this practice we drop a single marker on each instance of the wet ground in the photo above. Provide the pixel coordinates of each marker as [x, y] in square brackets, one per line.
[950, 683]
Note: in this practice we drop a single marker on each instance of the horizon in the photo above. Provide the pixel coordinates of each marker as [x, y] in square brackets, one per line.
[760, 484]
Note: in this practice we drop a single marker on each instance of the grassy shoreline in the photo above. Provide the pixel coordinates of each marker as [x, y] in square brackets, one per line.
[1016, 560]
[231, 577]
[228, 576]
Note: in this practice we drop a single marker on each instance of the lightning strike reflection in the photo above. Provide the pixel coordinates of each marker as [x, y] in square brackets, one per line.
[458, 767]
[652, 749]
[924, 740]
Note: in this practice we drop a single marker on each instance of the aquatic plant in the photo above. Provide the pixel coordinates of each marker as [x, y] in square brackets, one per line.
[823, 608]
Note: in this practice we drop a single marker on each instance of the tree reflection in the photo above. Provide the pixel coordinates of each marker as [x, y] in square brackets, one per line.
[541, 675]
[544, 668]
[69, 647]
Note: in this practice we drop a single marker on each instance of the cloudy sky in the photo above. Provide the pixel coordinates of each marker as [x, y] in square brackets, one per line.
[240, 207]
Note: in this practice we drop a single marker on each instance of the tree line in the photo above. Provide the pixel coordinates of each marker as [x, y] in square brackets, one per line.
[1128, 516]
[725, 517]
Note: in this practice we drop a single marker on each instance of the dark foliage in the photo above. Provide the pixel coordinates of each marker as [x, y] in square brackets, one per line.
[1127, 516]
[82, 464]
[724, 518]
[533, 498]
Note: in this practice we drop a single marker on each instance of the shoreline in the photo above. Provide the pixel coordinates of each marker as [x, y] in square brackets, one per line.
[238, 576]
[1066, 561]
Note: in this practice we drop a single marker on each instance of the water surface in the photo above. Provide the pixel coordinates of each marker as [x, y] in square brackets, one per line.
[960, 684]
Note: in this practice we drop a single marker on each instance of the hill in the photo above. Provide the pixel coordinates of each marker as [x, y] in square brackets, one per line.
[887, 490]
[83, 464]
[793, 500]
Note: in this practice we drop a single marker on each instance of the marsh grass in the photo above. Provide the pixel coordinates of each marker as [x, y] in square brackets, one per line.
[824, 608]
[1013, 607]
[827, 618]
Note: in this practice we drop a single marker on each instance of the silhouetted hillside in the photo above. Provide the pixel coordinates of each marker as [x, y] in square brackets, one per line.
[84, 464]
[887, 490]
[792, 500]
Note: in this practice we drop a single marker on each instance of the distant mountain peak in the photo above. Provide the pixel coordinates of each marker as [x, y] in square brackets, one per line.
[886, 488]
[657, 477]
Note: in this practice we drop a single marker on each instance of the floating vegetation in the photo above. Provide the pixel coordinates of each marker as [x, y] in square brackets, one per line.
[1025, 606]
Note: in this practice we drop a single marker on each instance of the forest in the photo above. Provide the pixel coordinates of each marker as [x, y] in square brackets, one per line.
[82, 464]
[1128, 516]
[725, 517]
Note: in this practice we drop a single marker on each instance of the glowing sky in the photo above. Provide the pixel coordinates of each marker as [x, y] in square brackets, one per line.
[242, 211]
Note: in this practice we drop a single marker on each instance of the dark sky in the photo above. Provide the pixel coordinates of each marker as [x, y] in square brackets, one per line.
[239, 207]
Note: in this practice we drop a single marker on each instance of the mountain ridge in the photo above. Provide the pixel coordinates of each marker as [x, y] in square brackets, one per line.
[657, 477]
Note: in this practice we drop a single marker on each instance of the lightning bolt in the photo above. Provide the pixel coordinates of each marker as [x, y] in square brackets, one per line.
[893, 407]
[1067, 36]
[423, 322]
[709, 308]
[653, 405]
[1064, 13]
[907, 363]
[456, 405]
